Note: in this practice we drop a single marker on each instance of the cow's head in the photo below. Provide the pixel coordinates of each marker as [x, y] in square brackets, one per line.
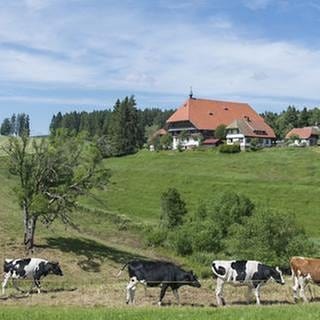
[55, 268]
[191, 279]
[277, 275]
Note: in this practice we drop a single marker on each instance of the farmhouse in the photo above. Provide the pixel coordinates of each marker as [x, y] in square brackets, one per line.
[308, 135]
[242, 131]
[197, 119]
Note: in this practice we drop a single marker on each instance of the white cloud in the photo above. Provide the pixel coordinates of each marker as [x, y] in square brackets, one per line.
[256, 4]
[130, 50]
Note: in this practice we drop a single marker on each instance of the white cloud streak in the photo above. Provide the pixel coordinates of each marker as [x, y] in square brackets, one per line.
[129, 49]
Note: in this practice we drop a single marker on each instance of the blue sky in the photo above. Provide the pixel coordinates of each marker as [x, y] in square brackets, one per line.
[65, 55]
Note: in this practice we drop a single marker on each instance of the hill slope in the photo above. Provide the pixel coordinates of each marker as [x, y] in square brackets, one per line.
[109, 232]
[283, 179]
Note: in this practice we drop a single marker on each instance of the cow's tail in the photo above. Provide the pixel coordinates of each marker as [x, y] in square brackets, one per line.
[215, 270]
[123, 267]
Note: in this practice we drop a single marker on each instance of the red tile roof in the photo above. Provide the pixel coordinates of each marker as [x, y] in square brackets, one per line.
[303, 133]
[208, 114]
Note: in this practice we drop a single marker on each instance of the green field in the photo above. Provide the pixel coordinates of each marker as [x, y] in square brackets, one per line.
[283, 179]
[109, 233]
[252, 313]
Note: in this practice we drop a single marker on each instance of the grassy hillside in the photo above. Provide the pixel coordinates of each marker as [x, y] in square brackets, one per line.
[282, 179]
[109, 230]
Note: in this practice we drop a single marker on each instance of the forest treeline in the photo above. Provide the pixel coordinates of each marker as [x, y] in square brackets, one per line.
[290, 118]
[119, 131]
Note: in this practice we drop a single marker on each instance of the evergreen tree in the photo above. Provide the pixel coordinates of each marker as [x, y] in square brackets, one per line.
[13, 125]
[6, 129]
[123, 128]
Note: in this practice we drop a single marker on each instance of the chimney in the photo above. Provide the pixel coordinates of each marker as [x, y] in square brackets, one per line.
[191, 93]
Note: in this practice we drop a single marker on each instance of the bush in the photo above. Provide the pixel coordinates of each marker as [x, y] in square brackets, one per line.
[181, 241]
[230, 208]
[269, 237]
[173, 209]
[255, 145]
[229, 148]
[156, 237]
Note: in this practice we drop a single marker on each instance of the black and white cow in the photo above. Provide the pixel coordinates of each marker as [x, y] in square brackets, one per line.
[157, 273]
[30, 268]
[249, 273]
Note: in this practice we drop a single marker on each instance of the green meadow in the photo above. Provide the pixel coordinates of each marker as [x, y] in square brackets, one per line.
[253, 313]
[286, 180]
[109, 233]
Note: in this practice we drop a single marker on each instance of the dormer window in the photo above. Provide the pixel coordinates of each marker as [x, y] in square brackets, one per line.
[210, 113]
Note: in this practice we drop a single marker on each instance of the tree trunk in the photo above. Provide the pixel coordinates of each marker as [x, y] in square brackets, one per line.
[29, 229]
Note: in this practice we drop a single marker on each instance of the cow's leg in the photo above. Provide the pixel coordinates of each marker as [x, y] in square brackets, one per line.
[219, 292]
[176, 294]
[38, 285]
[257, 293]
[5, 281]
[310, 292]
[249, 294]
[144, 283]
[302, 284]
[295, 288]
[131, 288]
[15, 284]
[162, 293]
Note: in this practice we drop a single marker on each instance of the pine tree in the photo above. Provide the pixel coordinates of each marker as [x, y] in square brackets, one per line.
[6, 129]
[123, 128]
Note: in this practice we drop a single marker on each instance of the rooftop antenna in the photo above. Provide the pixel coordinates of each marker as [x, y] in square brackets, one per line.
[191, 93]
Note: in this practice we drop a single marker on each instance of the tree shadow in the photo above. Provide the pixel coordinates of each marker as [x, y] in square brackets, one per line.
[95, 252]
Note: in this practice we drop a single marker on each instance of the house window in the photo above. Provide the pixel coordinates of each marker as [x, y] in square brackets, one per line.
[248, 140]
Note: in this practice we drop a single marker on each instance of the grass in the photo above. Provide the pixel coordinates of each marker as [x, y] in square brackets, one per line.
[286, 180]
[252, 313]
[110, 233]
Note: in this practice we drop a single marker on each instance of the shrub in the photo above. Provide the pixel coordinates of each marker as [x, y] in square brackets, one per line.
[270, 237]
[156, 237]
[173, 209]
[229, 148]
[230, 208]
[181, 242]
[255, 145]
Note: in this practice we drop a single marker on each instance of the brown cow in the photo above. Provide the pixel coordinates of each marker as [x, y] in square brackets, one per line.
[304, 271]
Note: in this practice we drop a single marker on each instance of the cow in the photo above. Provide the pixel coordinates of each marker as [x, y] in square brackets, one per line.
[304, 271]
[30, 268]
[157, 273]
[252, 274]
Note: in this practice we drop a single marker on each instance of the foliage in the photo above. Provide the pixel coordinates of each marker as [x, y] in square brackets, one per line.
[294, 137]
[155, 237]
[230, 208]
[17, 125]
[123, 128]
[220, 132]
[290, 118]
[270, 237]
[173, 209]
[150, 133]
[52, 175]
[96, 123]
[166, 141]
[229, 148]
[255, 145]
[181, 242]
